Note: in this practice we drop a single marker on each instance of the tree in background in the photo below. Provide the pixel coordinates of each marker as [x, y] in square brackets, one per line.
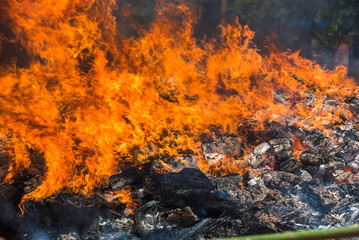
[292, 21]
[341, 18]
[296, 22]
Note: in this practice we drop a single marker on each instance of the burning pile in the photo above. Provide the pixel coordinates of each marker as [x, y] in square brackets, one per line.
[88, 102]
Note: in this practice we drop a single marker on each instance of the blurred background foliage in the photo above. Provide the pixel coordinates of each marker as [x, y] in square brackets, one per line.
[296, 21]
[293, 21]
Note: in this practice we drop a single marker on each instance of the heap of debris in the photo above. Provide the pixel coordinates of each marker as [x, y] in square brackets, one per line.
[285, 187]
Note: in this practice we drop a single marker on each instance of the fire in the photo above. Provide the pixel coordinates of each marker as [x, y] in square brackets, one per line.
[122, 196]
[298, 146]
[93, 101]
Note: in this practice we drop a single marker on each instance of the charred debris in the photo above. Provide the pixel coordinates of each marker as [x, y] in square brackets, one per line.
[297, 179]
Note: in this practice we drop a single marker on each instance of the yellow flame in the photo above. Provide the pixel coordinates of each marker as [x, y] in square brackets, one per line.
[93, 101]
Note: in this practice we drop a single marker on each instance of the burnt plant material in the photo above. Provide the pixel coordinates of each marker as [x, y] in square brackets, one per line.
[295, 179]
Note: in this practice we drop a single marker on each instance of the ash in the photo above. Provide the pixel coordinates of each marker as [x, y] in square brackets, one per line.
[298, 178]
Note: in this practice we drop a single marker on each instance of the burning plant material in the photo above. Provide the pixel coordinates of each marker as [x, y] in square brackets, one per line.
[164, 135]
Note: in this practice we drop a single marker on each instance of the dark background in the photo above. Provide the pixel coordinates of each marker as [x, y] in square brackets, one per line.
[316, 27]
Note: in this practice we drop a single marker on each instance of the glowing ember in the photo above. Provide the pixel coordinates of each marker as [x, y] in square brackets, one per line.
[93, 101]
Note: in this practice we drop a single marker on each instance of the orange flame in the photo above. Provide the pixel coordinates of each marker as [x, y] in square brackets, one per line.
[298, 146]
[93, 101]
[122, 196]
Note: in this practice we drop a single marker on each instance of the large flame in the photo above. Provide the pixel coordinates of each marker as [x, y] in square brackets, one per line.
[93, 101]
